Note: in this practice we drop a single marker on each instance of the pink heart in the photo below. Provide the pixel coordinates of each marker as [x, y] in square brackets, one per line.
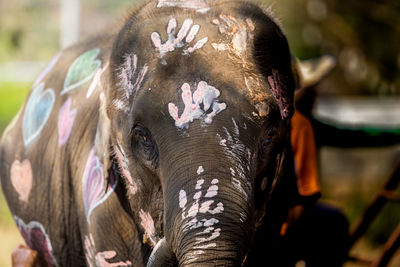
[36, 238]
[66, 118]
[21, 178]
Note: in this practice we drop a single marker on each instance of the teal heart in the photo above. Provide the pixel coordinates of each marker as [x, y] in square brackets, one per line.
[37, 112]
[82, 70]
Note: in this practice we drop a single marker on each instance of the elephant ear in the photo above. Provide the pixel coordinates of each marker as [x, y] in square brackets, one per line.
[102, 139]
[310, 72]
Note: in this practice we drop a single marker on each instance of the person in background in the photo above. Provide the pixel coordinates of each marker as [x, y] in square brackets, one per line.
[314, 233]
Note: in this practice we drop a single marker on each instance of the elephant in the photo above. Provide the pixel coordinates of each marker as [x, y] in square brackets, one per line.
[162, 143]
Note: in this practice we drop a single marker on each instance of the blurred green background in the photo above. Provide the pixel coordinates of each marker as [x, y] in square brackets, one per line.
[364, 36]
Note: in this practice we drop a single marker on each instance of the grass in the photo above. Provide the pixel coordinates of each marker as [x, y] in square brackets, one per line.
[12, 96]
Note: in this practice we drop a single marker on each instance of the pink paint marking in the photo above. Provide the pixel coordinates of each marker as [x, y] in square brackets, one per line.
[127, 72]
[139, 80]
[66, 118]
[147, 224]
[47, 69]
[279, 92]
[21, 178]
[123, 165]
[100, 259]
[94, 185]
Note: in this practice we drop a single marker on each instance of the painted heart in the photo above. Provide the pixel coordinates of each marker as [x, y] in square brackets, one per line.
[36, 238]
[21, 178]
[66, 118]
[37, 112]
[94, 184]
[82, 70]
[47, 69]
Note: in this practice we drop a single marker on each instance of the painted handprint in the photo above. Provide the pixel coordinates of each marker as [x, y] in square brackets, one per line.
[202, 205]
[201, 104]
[183, 38]
[238, 32]
[101, 258]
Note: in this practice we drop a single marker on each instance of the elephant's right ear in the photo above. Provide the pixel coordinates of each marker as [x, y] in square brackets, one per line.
[102, 140]
[308, 73]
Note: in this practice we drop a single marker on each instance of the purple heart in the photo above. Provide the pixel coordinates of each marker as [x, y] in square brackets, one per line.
[94, 184]
[36, 238]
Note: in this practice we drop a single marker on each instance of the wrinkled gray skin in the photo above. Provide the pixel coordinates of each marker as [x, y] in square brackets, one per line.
[192, 183]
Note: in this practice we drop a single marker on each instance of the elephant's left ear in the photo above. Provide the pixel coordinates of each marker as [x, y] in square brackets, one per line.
[102, 141]
[309, 72]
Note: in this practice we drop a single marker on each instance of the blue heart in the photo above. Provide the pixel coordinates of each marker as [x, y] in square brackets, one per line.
[37, 112]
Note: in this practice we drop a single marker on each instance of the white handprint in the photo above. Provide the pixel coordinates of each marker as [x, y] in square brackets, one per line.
[177, 41]
[202, 206]
[206, 95]
[238, 31]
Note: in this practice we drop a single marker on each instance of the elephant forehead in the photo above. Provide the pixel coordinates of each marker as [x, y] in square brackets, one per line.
[185, 58]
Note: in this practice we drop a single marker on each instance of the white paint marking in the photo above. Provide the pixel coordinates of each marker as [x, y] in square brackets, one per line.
[182, 199]
[205, 94]
[199, 5]
[211, 245]
[199, 183]
[147, 224]
[205, 206]
[212, 191]
[96, 80]
[200, 170]
[188, 31]
[220, 47]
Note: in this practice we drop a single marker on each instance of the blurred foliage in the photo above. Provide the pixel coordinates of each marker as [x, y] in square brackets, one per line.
[384, 224]
[28, 30]
[364, 36]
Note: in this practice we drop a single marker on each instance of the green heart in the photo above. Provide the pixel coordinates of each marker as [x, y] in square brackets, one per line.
[82, 70]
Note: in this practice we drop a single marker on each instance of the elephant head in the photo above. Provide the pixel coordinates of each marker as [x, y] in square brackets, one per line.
[199, 112]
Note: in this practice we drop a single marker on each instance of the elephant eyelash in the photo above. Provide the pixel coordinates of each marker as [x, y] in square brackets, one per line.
[143, 143]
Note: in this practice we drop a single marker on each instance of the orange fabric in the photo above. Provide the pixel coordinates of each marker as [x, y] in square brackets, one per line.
[305, 155]
[284, 228]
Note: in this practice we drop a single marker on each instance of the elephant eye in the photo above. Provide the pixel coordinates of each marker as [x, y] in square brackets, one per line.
[144, 145]
[267, 141]
[140, 135]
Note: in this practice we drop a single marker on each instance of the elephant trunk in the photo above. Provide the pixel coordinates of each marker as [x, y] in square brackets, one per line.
[209, 218]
